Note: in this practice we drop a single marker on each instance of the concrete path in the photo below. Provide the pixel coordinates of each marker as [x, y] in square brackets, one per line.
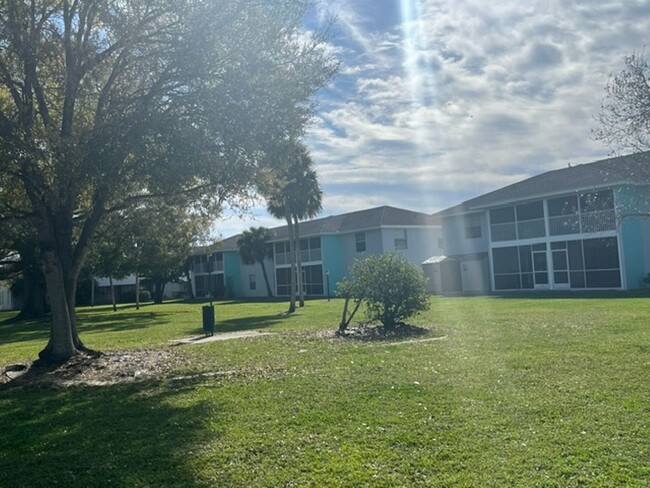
[223, 336]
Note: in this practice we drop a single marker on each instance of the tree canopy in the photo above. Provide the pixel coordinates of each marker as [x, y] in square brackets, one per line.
[104, 103]
[392, 288]
[625, 110]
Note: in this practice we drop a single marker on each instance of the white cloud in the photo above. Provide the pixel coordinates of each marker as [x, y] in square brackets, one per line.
[467, 97]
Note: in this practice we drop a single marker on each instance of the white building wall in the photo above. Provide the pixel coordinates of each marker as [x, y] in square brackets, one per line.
[6, 298]
[456, 243]
[422, 243]
[260, 286]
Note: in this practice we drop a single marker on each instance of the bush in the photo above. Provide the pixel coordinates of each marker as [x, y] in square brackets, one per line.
[129, 296]
[392, 288]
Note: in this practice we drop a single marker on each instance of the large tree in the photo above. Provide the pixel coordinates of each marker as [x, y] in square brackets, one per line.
[104, 103]
[625, 110]
[625, 125]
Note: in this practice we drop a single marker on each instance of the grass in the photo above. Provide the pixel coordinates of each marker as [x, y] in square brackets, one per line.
[519, 392]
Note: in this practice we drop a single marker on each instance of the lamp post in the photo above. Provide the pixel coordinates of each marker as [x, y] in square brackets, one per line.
[137, 279]
[327, 275]
[210, 280]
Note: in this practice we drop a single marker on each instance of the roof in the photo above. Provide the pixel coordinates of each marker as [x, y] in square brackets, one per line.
[372, 218]
[435, 260]
[632, 169]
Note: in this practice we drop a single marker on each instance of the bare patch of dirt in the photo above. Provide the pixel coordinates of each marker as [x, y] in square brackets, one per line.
[99, 368]
[372, 332]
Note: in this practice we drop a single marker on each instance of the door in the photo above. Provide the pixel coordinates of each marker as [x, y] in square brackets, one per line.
[560, 268]
[540, 269]
[451, 279]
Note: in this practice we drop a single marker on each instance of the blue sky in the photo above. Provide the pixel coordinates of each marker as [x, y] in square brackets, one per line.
[438, 101]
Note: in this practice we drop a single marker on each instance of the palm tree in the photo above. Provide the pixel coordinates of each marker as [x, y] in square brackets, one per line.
[307, 199]
[253, 248]
[296, 195]
[277, 207]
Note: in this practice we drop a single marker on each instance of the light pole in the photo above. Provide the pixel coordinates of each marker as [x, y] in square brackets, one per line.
[327, 275]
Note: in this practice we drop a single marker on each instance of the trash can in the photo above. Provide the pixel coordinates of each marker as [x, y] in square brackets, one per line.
[208, 319]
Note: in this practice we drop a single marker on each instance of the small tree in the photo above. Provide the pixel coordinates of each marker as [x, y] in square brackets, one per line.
[392, 288]
[346, 290]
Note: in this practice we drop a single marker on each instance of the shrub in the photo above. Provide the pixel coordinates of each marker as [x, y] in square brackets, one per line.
[129, 296]
[392, 288]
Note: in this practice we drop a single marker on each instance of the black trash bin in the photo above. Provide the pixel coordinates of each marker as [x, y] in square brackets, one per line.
[208, 319]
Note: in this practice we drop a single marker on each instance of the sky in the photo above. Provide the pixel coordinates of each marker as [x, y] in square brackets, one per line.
[439, 101]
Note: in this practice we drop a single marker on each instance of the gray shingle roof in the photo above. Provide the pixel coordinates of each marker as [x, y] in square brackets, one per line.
[372, 218]
[633, 169]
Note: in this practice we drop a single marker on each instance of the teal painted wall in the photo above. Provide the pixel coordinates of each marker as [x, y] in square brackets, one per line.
[634, 200]
[232, 272]
[332, 252]
[633, 253]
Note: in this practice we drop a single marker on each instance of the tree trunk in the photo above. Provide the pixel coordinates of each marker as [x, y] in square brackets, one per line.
[158, 290]
[110, 280]
[189, 281]
[292, 256]
[137, 291]
[269, 292]
[92, 291]
[34, 296]
[61, 345]
[301, 291]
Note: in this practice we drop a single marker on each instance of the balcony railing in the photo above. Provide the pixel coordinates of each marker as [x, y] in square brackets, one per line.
[586, 223]
[306, 255]
[527, 229]
[213, 267]
[503, 232]
[564, 225]
[510, 231]
[599, 221]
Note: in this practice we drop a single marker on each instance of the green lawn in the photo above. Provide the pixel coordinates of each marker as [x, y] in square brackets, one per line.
[515, 392]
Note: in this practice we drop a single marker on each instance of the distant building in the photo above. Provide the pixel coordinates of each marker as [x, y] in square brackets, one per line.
[583, 227]
[7, 299]
[125, 289]
[327, 245]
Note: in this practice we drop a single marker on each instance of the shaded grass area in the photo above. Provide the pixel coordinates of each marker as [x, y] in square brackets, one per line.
[526, 392]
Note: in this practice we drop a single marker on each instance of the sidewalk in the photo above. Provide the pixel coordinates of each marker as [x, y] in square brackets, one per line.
[224, 336]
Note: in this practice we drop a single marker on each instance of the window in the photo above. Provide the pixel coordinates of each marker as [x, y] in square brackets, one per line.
[473, 226]
[530, 211]
[596, 201]
[360, 240]
[252, 282]
[312, 280]
[502, 224]
[209, 285]
[282, 254]
[283, 281]
[310, 249]
[563, 206]
[400, 240]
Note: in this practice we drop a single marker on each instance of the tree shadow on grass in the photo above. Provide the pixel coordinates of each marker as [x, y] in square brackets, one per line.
[250, 323]
[12, 332]
[118, 321]
[143, 434]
